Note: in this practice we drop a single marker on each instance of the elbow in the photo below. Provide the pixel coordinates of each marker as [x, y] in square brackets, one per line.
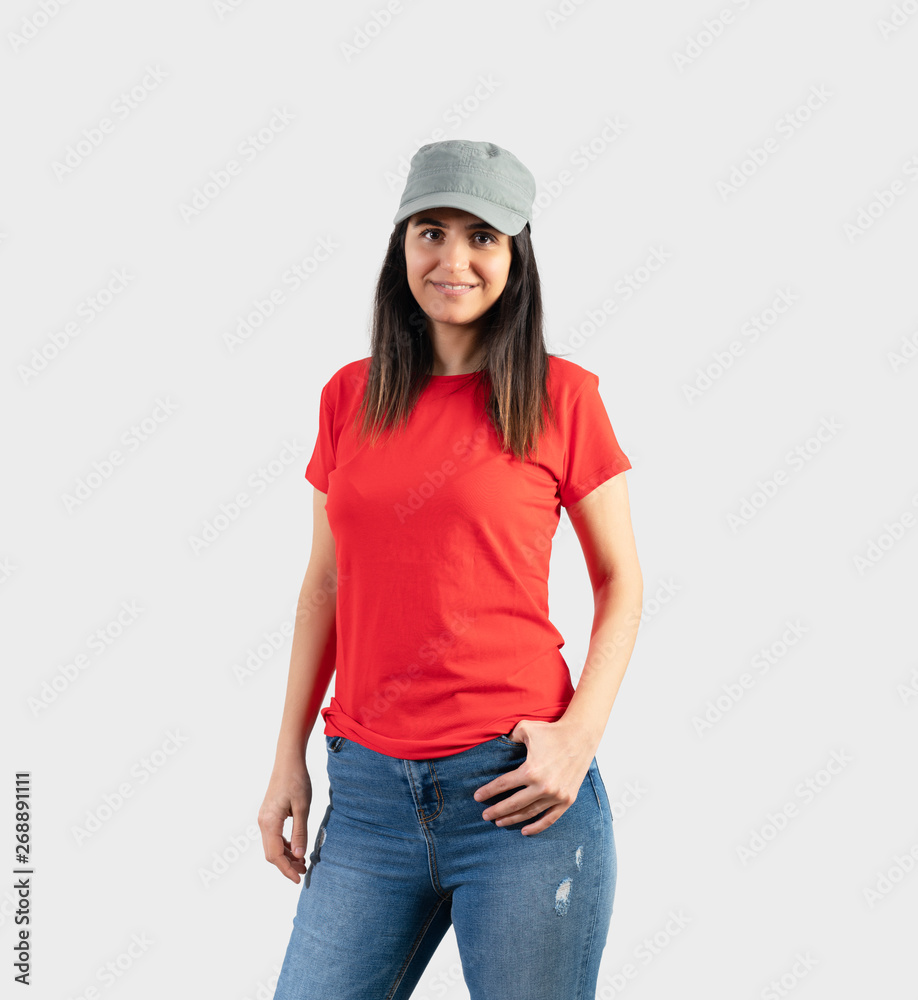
[623, 585]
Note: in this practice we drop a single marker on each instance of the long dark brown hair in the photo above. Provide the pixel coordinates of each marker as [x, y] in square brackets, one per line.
[512, 379]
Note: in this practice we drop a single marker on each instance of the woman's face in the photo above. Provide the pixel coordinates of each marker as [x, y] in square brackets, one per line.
[446, 246]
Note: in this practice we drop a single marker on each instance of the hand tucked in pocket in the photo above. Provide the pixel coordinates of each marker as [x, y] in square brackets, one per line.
[556, 763]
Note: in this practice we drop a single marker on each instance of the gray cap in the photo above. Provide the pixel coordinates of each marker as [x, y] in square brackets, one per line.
[476, 177]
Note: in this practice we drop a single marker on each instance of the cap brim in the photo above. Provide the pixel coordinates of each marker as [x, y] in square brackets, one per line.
[502, 219]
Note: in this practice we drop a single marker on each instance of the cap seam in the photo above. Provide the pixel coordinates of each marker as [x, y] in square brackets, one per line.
[483, 173]
[489, 201]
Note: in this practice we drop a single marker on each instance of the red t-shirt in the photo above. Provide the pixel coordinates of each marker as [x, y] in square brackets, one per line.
[442, 545]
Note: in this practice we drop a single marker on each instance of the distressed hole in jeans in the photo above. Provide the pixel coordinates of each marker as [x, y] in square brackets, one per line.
[562, 897]
[320, 840]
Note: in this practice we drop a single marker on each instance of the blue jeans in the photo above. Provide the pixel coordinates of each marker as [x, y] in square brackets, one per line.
[402, 852]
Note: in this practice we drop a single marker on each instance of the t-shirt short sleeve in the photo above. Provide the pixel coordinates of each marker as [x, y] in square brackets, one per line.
[591, 453]
[323, 454]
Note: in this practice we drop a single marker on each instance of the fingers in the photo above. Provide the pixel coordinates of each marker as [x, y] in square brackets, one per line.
[278, 850]
[520, 807]
[292, 866]
[552, 816]
[272, 839]
[503, 782]
[553, 811]
[298, 836]
[516, 808]
[287, 863]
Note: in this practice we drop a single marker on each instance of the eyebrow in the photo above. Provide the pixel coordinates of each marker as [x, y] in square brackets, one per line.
[427, 221]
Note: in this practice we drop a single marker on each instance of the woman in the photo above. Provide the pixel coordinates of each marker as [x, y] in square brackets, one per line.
[463, 786]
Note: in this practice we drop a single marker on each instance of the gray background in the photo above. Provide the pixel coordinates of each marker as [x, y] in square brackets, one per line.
[717, 593]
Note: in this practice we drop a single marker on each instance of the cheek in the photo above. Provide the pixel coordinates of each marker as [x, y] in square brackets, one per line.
[498, 271]
[497, 280]
[418, 265]
[414, 273]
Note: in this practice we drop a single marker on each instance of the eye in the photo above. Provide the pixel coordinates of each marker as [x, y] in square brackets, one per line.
[489, 237]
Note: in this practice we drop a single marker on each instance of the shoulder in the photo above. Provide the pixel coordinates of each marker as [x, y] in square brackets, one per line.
[347, 382]
[566, 380]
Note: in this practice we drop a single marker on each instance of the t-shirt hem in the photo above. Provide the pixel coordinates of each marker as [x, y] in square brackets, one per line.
[440, 746]
[317, 481]
[589, 484]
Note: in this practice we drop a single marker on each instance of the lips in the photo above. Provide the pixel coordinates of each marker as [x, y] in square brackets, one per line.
[444, 289]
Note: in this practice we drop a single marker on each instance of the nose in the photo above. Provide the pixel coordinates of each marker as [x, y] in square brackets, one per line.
[454, 256]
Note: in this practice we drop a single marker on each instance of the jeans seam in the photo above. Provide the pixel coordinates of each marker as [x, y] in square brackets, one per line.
[599, 886]
[414, 947]
[431, 851]
[436, 781]
[432, 856]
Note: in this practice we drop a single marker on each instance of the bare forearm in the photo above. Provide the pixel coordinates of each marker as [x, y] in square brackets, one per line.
[312, 665]
[616, 621]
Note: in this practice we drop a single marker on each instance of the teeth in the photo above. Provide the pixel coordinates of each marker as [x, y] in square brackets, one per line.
[444, 284]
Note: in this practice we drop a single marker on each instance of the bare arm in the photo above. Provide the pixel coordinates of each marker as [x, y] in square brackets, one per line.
[560, 752]
[312, 657]
[602, 521]
[312, 664]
